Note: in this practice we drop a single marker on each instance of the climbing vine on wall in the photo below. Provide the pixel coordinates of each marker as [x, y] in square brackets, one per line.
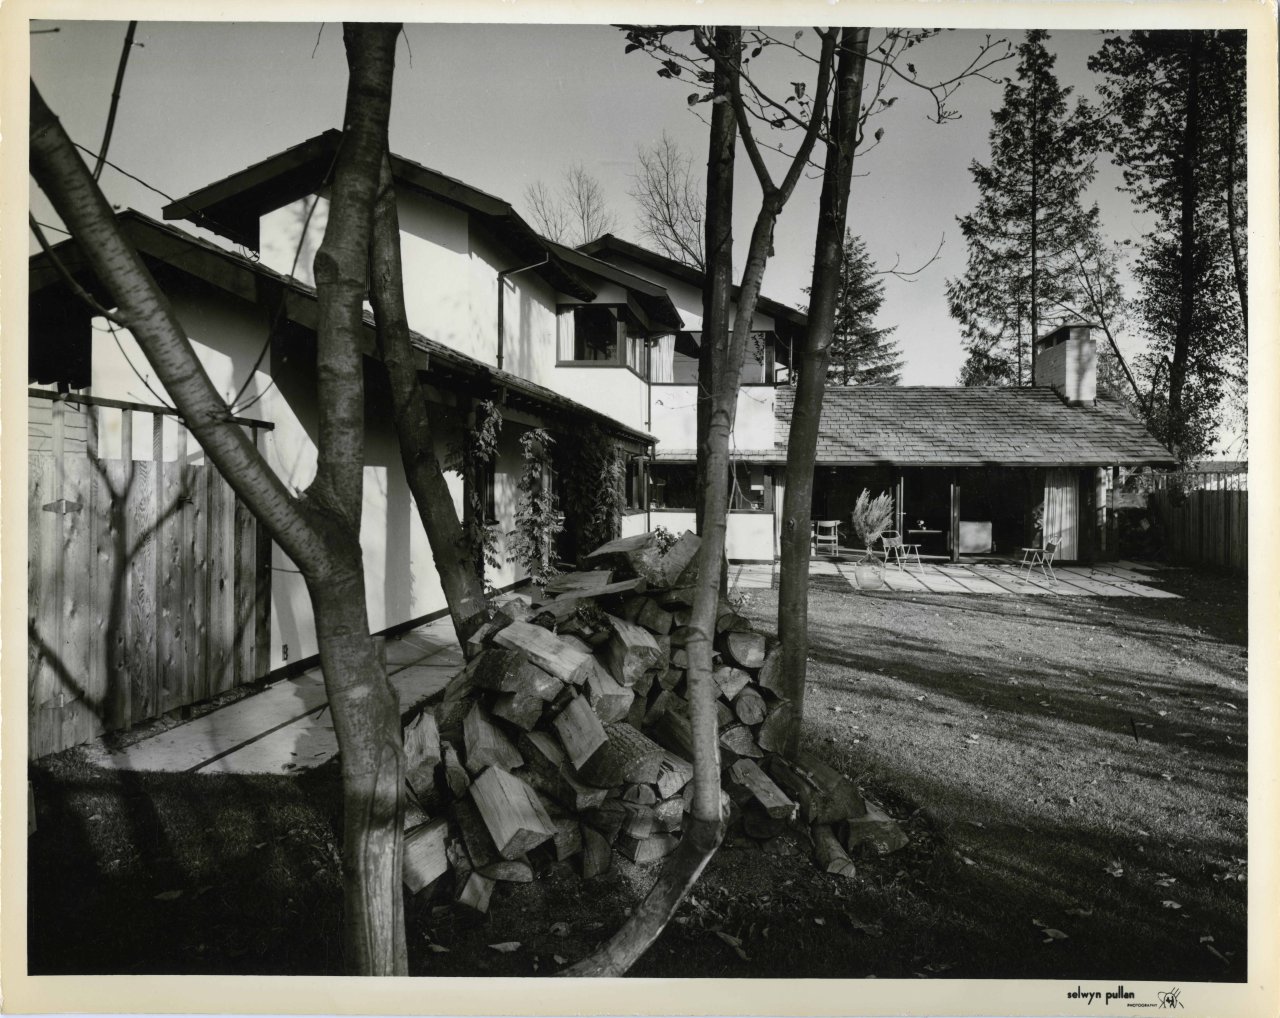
[593, 469]
[472, 455]
[538, 521]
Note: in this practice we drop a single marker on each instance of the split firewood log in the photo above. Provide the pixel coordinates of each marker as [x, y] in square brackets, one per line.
[580, 731]
[772, 734]
[731, 681]
[824, 794]
[607, 818]
[475, 891]
[524, 710]
[673, 775]
[630, 652]
[485, 744]
[744, 649]
[650, 849]
[653, 618]
[641, 795]
[455, 775]
[672, 732]
[831, 855]
[548, 770]
[608, 697]
[747, 774]
[578, 581]
[511, 811]
[627, 755]
[739, 740]
[874, 832]
[749, 706]
[597, 853]
[546, 650]
[424, 854]
[729, 621]
[770, 676]
[484, 855]
[669, 813]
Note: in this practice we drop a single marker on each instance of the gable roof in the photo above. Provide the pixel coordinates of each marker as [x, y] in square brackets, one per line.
[233, 205]
[939, 426]
[652, 298]
[609, 244]
[172, 249]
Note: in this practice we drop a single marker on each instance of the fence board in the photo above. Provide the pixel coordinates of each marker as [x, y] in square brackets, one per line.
[153, 595]
[40, 574]
[221, 586]
[245, 589]
[140, 516]
[196, 592]
[171, 655]
[111, 498]
[74, 667]
[1206, 526]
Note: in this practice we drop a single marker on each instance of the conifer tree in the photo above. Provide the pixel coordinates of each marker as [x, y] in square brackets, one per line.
[1030, 211]
[861, 353]
[1175, 109]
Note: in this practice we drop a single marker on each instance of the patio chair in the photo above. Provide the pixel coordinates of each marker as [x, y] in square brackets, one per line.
[1042, 557]
[826, 536]
[896, 548]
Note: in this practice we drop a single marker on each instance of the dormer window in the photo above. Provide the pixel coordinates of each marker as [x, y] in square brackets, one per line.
[599, 335]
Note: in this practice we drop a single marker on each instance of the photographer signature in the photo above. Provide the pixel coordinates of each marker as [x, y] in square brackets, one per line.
[1170, 998]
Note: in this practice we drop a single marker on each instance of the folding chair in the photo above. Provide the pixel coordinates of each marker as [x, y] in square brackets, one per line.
[895, 547]
[1042, 557]
[826, 537]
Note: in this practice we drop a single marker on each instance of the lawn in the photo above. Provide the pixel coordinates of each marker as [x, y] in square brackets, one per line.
[1074, 765]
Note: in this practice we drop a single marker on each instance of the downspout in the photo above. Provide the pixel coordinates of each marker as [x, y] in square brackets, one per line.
[502, 277]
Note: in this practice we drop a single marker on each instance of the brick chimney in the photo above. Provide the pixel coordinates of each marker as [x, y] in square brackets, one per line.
[1067, 361]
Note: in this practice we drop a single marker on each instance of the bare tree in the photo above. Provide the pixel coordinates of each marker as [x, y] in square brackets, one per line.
[319, 529]
[671, 201]
[574, 212]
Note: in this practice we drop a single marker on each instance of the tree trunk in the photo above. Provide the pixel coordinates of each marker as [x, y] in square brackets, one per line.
[717, 287]
[1188, 194]
[802, 443]
[463, 588]
[320, 531]
[1233, 213]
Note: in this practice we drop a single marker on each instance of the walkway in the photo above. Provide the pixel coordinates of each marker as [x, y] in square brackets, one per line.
[1111, 579]
[287, 726]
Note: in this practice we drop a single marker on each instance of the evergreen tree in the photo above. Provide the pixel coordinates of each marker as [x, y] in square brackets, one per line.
[861, 353]
[1029, 214]
[1175, 104]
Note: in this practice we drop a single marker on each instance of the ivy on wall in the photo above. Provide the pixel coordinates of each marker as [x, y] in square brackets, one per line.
[538, 521]
[593, 471]
[472, 455]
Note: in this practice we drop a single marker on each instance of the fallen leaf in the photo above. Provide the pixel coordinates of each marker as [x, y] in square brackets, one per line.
[1050, 935]
[559, 959]
[1082, 912]
[968, 861]
[819, 921]
[1170, 903]
[1115, 869]
[1206, 938]
[559, 929]
[168, 895]
[437, 949]
[1217, 954]
[506, 947]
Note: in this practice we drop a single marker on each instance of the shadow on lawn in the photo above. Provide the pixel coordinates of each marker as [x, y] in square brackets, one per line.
[181, 873]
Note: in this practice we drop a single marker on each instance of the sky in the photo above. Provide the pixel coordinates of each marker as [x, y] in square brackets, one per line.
[500, 106]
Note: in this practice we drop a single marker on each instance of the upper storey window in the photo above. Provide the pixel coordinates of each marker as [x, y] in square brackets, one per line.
[599, 335]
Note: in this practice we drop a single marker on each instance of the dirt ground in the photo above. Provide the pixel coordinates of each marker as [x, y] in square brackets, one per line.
[1071, 773]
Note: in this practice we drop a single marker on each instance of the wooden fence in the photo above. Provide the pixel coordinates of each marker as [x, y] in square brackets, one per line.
[148, 582]
[1205, 518]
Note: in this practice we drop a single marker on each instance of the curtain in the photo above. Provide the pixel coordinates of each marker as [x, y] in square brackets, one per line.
[663, 366]
[1062, 511]
[565, 335]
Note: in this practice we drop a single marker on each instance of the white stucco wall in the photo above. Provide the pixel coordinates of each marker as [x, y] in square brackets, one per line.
[675, 417]
[635, 523]
[749, 536]
[615, 391]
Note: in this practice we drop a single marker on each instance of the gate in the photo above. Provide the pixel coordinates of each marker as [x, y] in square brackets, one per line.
[148, 582]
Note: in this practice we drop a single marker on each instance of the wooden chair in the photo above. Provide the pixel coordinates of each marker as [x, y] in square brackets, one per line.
[895, 547]
[1042, 557]
[826, 537]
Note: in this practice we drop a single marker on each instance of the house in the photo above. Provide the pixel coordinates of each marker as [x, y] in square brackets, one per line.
[969, 468]
[161, 588]
[755, 499]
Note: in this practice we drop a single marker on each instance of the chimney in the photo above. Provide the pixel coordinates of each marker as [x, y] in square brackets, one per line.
[1067, 362]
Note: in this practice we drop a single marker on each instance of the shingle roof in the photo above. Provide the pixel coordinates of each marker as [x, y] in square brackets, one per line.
[952, 426]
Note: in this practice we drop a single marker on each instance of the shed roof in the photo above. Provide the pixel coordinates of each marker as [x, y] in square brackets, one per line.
[936, 426]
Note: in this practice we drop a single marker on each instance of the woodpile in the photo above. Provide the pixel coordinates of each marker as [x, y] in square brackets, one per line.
[566, 737]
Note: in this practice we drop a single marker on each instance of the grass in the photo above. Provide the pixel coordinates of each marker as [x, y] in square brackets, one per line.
[1071, 764]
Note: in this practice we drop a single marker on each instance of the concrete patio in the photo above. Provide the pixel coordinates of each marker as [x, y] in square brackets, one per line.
[989, 576]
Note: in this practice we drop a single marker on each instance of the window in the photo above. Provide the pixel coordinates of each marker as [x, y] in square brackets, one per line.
[637, 482]
[589, 334]
[674, 486]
